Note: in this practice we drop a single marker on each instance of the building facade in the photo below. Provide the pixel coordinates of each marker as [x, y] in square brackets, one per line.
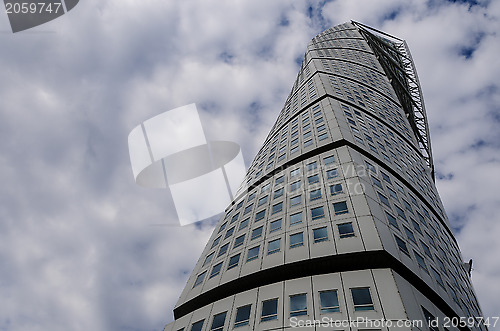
[341, 220]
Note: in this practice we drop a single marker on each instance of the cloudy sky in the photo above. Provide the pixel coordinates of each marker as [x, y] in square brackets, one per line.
[82, 247]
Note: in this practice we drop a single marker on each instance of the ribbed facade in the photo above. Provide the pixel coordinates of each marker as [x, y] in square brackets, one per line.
[341, 219]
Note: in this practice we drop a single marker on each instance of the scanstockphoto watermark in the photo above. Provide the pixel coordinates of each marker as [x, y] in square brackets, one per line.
[363, 322]
[26, 14]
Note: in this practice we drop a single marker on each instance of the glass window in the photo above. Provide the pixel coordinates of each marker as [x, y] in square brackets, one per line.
[197, 326]
[362, 298]
[345, 230]
[260, 215]
[426, 249]
[218, 322]
[251, 196]
[323, 136]
[296, 218]
[269, 310]
[296, 240]
[253, 253]
[329, 301]
[371, 167]
[239, 205]
[242, 316]
[329, 159]
[295, 200]
[340, 208]
[222, 227]
[229, 233]
[336, 189]
[401, 213]
[421, 261]
[402, 245]
[384, 200]
[216, 270]
[208, 259]
[429, 317]
[223, 250]
[262, 201]
[392, 220]
[332, 173]
[320, 234]
[295, 172]
[279, 180]
[274, 246]
[410, 235]
[233, 261]
[311, 166]
[313, 179]
[377, 182]
[278, 193]
[315, 194]
[244, 224]
[199, 279]
[265, 188]
[256, 233]
[416, 226]
[248, 209]
[275, 225]
[437, 276]
[294, 186]
[277, 207]
[318, 212]
[235, 218]
[308, 143]
[386, 177]
[216, 242]
[239, 241]
[298, 305]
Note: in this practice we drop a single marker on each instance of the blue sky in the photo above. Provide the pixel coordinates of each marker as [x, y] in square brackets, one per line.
[84, 248]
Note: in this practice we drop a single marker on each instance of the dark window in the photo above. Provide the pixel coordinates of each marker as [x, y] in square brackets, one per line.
[315, 194]
[265, 188]
[218, 322]
[421, 261]
[295, 172]
[416, 226]
[216, 270]
[384, 200]
[346, 230]
[274, 246]
[320, 234]
[385, 177]
[430, 318]
[340, 208]
[317, 212]
[269, 310]
[275, 225]
[437, 276]
[377, 182]
[244, 224]
[298, 305]
[239, 241]
[402, 245]
[233, 261]
[256, 233]
[294, 186]
[262, 201]
[239, 206]
[371, 167]
[336, 189]
[208, 259]
[216, 242]
[410, 235]
[329, 301]
[253, 253]
[199, 279]
[197, 326]
[332, 173]
[296, 218]
[401, 213]
[279, 180]
[222, 227]
[295, 200]
[362, 298]
[392, 220]
[296, 240]
[277, 207]
[426, 249]
[329, 160]
[278, 193]
[313, 179]
[248, 209]
[229, 233]
[260, 215]
[242, 316]
[223, 250]
[312, 166]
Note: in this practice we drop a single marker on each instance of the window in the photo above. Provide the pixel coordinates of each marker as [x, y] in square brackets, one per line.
[329, 301]
[320, 234]
[222, 227]
[278, 193]
[294, 186]
[383, 199]
[199, 279]
[402, 245]
[256, 233]
[386, 177]
[253, 253]
[329, 160]
[431, 320]
[251, 196]
[296, 218]
[197, 326]
[346, 230]
[416, 226]
[362, 298]
[318, 212]
[392, 220]
[332, 173]
[260, 215]
[295, 172]
[244, 224]
[371, 167]
[308, 143]
[421, 261]
[295, 200]
[298, 305]
[262, 201]
[235, 218]
[239, 205]
[323, 136]
[410, 235]
[208, 259]
[401, 213]
[218, 322]
[233, 261]
[216, 242]
[242, 316]
[377, 182]
[239, 241]
[296, 240]
[248, 209]
[315, 194]
[223, 250]
[311, 166]
[216, 270]
[279, 180]
[437, 276]
[336, 189]
[277, 207]
[340, 208]
[426, 249]
[265, 188]
[269, 310]
[313, 179]
[229, 233]
[274, 246]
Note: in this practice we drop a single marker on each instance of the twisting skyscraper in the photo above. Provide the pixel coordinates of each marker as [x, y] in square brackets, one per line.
[341, 219]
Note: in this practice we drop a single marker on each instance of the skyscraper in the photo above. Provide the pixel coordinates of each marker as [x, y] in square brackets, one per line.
[341, 219]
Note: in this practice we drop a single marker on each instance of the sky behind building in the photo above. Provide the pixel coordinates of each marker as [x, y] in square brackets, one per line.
[82, 247]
